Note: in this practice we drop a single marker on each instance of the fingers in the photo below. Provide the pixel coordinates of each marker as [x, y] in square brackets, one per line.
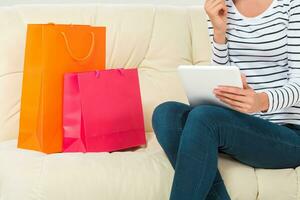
[217, 3]
[231, 102]
[213, 6]
[217, 13]
[236, 98]
[238, 106]
[231, 96]
[219, 7]
[244, 80]
[210, 2]
[240, 99]
[225, 10]
[232, 90]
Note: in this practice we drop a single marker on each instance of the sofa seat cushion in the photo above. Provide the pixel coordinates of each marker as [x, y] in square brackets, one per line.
[139, 173]
[246, 183]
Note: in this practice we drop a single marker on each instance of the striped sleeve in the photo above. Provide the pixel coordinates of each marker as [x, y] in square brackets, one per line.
[219, 51]
[289, 94]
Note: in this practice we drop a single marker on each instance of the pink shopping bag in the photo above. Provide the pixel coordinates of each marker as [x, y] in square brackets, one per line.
[102, 111]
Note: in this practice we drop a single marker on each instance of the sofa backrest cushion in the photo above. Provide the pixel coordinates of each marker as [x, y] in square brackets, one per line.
[155, 39]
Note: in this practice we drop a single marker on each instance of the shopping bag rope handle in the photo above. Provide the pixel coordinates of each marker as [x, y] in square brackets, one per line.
[70, 51]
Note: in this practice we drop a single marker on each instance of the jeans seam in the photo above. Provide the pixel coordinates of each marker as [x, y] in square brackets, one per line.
[199, 184]
[239, 128]
[233, 126]
[262, 136]
[217, 183]
[201, 180]
[215, 193]
[192, 156]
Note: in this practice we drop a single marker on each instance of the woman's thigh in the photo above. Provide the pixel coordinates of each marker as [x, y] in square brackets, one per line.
[251, 140]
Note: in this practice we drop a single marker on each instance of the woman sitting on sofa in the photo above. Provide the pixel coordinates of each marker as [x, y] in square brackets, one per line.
[262, 38]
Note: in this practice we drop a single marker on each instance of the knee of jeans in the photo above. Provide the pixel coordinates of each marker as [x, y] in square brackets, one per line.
[208, 115]
[165, 114]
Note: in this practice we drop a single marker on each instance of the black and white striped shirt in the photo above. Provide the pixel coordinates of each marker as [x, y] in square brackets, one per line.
[266, 48]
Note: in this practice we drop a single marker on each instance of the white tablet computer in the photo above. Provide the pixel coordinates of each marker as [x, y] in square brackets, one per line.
[200, 81]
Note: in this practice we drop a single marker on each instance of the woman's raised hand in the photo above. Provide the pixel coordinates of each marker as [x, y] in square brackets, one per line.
[217, 12]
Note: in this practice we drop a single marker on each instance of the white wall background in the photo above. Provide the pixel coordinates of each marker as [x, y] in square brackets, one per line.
[169, 2]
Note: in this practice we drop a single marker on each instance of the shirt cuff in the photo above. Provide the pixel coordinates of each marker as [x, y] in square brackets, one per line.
[271, 101]
[220, 46]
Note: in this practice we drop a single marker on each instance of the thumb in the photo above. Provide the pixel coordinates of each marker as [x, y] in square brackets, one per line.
[244, 80]
[225, 10]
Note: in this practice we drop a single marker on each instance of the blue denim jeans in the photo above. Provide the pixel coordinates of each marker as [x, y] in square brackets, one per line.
[192, 138]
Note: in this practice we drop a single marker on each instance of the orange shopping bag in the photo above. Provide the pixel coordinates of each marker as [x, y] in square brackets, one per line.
[51, 51]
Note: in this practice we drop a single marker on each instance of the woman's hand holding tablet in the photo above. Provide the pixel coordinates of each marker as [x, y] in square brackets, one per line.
[244, 99]
[221, 85]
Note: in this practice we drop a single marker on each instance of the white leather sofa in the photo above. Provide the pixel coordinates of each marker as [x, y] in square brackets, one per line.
[156, 39]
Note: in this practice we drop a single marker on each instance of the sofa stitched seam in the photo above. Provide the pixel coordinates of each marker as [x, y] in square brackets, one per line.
[151, 36]
[11, 73]
[12, 115]
[191, 35]
[297, 193]
[37, 184]
[257, 185]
